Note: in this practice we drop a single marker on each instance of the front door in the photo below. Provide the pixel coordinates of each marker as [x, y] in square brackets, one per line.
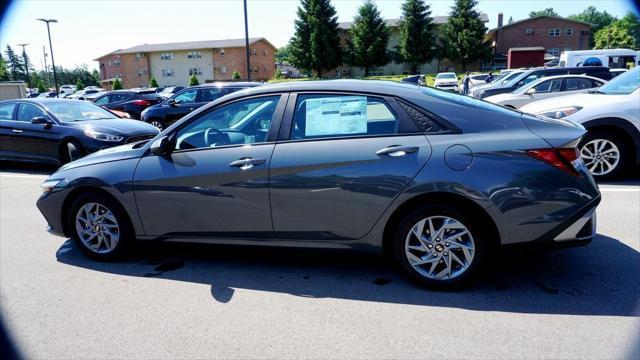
[215, 183]
[35, 141]
[184, 102]
[348, 157]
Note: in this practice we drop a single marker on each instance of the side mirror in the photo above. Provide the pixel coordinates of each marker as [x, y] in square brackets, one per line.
[42, 120]
[172, 102]
[160, 146]
[531, 91]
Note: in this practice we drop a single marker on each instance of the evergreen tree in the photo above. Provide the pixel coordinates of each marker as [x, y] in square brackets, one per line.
[193, 81]
[278, 74]
[235, 75]
[79, 85]
[510, 20]
[41, 87]
[369, 38]
[315, 44]
[4, 72]
[417, 35]
[153, 83]
[117, 85]
[14, 64]
[463, 35]
[545, 12]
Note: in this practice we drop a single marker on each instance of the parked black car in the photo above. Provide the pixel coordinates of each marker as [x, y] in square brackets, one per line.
[414, 79]
[58, 131]
[534, 74]
[133, 102]
[187, 100]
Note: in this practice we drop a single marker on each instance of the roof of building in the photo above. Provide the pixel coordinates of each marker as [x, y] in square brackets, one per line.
[536, 18]
[531, 48]
[188, 45]
[438, 20]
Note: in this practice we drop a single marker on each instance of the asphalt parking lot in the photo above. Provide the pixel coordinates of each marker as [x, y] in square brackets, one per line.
[186, 301]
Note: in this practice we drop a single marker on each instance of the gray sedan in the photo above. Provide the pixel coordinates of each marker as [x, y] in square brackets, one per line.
[436, 180]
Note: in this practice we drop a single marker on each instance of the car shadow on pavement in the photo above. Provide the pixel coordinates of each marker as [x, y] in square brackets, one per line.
[600, 279]
[27, 168]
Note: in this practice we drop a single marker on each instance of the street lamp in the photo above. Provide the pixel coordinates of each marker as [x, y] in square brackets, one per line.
[26, 65]
[246, 41]
[55, 76]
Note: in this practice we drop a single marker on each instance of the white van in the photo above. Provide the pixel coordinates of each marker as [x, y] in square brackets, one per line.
[611, 58]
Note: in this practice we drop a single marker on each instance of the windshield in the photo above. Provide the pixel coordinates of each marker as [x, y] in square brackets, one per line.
[514, 78]
[623, 84]
[446, 76]
[78, 111]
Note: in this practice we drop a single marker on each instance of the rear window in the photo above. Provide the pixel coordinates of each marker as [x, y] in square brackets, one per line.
[6, 111]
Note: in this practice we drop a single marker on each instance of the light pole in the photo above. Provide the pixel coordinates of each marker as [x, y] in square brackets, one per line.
[53, 63]
[46, 69]
[246, 41]
[26, 65]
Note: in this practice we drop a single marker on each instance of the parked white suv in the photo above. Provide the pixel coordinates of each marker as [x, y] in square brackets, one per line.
[446, 81]
[611, 113]
[546, 88]
[66, 90]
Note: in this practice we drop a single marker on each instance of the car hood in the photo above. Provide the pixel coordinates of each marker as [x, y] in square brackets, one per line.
[123, 127]
[115, 153]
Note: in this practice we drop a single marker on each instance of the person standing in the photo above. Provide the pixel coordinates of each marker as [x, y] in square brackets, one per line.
[465, 83]
[489, 78]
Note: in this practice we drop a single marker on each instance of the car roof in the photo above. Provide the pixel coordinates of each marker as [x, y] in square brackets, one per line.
[243, 84]
[41, 100]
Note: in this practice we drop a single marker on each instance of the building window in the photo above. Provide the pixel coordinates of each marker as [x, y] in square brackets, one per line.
[221, 52]
[264, 52]
[255, 52]
[223, 70]
[528, 31]
[554, 51]
[116, 62]
[167, 73]
[139, 56]
[568, 31]
[142, 72]
[194, 55]
[166, 56]
[195, 71]
[554, 32]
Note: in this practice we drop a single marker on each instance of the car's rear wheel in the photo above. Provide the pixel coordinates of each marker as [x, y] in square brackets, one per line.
[99, 226]
[605, 154]
[440, 247]
[71, 151]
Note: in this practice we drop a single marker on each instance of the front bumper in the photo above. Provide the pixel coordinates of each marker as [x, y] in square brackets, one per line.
[50, 205]
[447, 87]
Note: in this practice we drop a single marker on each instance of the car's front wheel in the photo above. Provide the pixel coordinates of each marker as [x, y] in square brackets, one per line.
[99, 226]
[157, 123]
[440, 247]
[604, 153]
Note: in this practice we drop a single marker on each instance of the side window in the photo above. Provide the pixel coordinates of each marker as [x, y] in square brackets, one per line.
[210, 94]
[103, 100]
[318, 116]
[6, 111]
[186, 97]
[530, 78]
[26, 112]
[241, 122]
[119, 97]
[578, 84]
[548, 86]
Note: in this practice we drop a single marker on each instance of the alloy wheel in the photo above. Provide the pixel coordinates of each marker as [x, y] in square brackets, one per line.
[97, 228]
[601, 156]
[440, 248]
[157, 124]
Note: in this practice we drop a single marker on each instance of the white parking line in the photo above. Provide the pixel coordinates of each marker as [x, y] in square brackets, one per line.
[619, 189]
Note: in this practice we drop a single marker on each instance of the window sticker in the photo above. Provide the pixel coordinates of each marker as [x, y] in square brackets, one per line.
[336, 115]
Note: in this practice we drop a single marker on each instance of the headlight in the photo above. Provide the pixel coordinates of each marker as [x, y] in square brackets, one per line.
[560, 113]
[102, 136]
[477, 93]
[50, 185]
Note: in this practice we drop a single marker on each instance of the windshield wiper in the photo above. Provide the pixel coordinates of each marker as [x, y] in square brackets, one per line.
[596, 92]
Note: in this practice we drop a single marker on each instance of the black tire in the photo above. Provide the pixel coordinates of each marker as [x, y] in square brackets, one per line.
[472, 223]
[125, 229]
[71, 151]
[623, 148]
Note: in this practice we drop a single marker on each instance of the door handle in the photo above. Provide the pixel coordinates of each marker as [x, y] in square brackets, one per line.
[17, 131]
[246, 163]
[397, 150]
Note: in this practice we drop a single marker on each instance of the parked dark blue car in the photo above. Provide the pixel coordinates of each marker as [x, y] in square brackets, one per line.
[436, 180]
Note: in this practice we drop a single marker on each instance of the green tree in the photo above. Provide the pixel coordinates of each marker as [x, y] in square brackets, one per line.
[417, 40]
[545, 12]
[463, 35]
[15, 64]
[79, 85]
[153, 83]
[193, 81]
[235, 75]
[282, 54]
[510, 20]
[117, 85]
[315, 44]
[41, 87]
[599, 20]
[614, 36]
[278, 74]
[632, 25]
[369, 36]
[4, 72]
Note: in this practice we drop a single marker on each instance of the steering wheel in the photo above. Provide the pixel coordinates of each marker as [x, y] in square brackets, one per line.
[206, 135]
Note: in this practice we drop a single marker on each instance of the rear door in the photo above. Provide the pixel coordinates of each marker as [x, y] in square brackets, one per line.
[340, 161]
[117, 100]
[575, 85]
[546, 89]
[7, 116]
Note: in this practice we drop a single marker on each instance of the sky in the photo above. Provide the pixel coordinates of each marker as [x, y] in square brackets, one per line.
[87, 29]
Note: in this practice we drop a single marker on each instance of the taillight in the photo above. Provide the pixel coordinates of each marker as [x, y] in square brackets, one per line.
[141, 102]
[562, 159]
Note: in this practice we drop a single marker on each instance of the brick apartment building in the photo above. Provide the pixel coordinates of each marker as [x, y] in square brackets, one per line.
[175, 63]
[393, 68]
[554, 34]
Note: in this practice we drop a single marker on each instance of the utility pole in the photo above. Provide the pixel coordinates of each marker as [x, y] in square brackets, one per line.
[26, 65]
[46, 69]
[53, 63]
[246, 41]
